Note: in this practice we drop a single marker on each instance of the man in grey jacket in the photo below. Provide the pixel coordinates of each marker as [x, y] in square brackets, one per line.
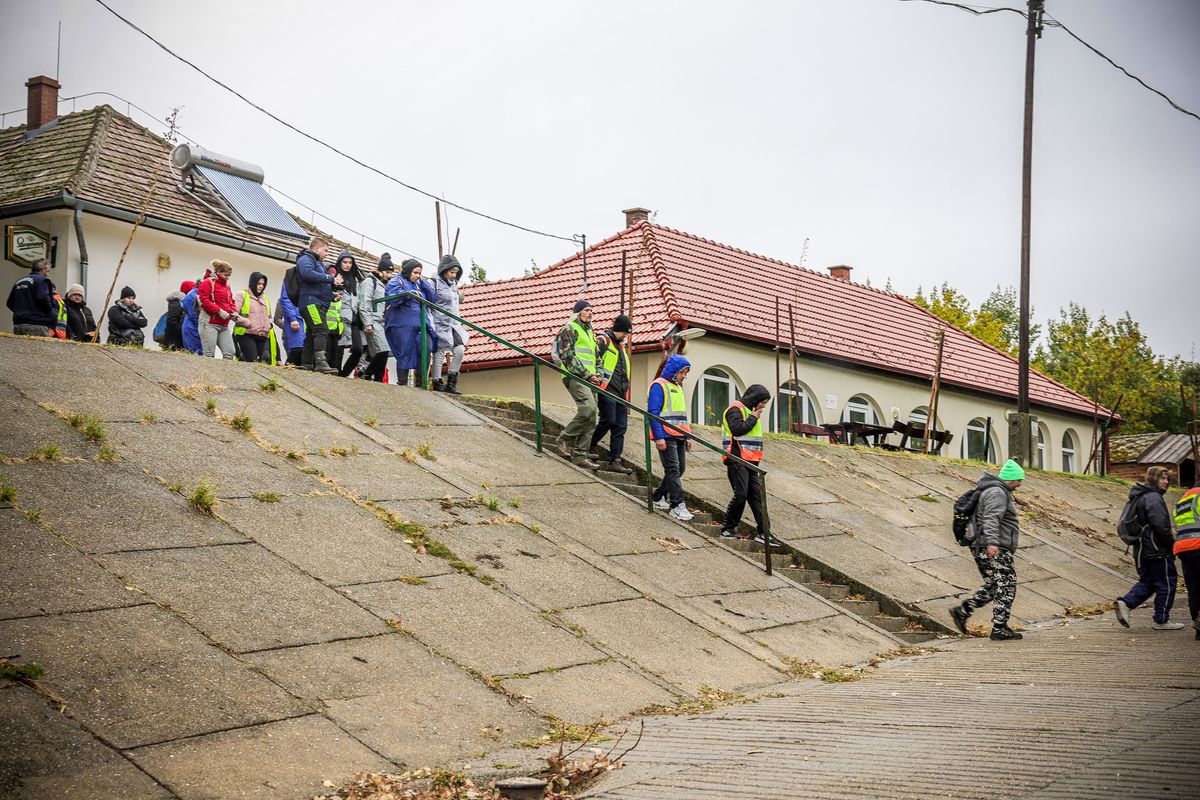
[994, 545]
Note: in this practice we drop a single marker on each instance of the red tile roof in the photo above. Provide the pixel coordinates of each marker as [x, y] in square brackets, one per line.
[681, 277]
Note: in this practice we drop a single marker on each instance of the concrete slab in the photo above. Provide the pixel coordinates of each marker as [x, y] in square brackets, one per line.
[1078, 571]
[913, 513]
[751, 611]
[46, 754]
[1066, 593]
[847, 516]
[707, 570]
[41, 575]
[285, 759]
[244, 597]
[28, 427]
[876, 569]
[476, 625]
[396, 697]
[534, 568]
[210, 451]
[670, 646]
[1029, 606]
[903, 545]
[163, 682]
[492, 456]
[789, 522]
[187, 370]
[109, 507]
[388, 404]
[945, 482]
[832, 641]
[330, 538]
[288, 422]
[383, 477]
[617, 691]
[959, 571]
[797, 491]
[459, 510]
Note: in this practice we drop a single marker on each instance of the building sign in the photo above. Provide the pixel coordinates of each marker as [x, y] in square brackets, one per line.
[24, 244]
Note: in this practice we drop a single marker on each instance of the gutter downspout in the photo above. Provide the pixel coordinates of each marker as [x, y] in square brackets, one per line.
[83, 253]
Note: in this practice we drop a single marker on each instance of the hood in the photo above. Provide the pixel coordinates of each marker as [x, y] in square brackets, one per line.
[254, 276]
[408, 265]
[673, 365]
[449, 262]
[351, 278]
[989, 480]
[175, 295]
[755, 394]
[1139, 489]
[353, 262]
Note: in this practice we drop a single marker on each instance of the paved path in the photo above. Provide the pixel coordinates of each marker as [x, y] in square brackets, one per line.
[1081, 709]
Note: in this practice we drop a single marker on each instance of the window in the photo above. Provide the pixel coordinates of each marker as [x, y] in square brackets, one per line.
[918, 416]
[1068, 452]
[794, 398]
[716, 390]
[976, 444]
[859, 409]
[1041, 446]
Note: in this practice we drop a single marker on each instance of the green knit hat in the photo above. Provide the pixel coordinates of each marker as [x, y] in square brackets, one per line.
[1011, 471]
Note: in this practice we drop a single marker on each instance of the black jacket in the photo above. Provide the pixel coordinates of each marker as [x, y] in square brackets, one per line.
[619, 383]
[173, 335]
[80, 322]
[1151, 509]
[31, 301]
[125, 324]
[739, 425]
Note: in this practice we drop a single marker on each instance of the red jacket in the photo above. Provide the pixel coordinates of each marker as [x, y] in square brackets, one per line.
[215, 295]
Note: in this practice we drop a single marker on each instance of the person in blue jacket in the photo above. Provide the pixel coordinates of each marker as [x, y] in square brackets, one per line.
[666, 400]
[317, 285]
[402, 322]
[191, 317]
[289, 320]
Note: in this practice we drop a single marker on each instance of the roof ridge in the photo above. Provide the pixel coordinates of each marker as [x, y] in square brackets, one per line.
[650, 244]
[90, 156]
[558, 264]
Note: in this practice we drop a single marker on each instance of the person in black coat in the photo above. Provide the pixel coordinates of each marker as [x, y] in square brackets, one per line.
[1153, 554]
[80, 323]
[742, 437]
[173, 335]
[126, 320]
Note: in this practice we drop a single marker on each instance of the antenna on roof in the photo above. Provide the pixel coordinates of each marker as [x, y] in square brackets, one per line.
[804, 251]
[58, 55]
[172, 127]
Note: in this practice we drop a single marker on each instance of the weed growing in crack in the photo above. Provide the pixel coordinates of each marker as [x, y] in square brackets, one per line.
[176, 487]
[408, 455]
[149, 418]
[35, 515]
[241, 422]
[270, 385]
[8, 494]
[210, 405]
[515, 502]
[91, 427]
[426, 451]
[371, 420]
[412, 580]
[47, 452]
[107, 453]
[310, 471]
[266, 497]
[204, 498]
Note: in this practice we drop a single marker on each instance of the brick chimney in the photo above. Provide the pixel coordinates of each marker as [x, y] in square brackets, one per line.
[840, 272]
[43, 101]
[635, 215]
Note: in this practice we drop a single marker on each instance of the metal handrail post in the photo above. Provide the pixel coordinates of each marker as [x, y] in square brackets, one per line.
[423, 381]
[537, 404]
[762, 486]
[649, 466]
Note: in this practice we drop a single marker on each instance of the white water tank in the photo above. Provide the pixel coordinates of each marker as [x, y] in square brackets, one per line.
[185, 156]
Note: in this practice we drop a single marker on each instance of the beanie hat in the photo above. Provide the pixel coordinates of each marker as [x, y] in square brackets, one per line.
[76, 288]
[408, 266]
[1011, 471]
[580, 306]
[128, 292]
[385, 263]
[622, 324]
[187, 286]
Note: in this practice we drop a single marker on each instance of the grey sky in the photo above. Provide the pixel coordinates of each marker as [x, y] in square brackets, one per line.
[887, 133]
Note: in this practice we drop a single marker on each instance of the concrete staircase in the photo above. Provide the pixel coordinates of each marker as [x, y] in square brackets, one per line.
[518, 417]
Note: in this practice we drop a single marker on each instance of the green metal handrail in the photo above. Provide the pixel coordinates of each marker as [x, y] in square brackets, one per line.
[539, 362]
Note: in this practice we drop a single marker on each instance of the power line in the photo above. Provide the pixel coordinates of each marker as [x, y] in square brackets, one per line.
[978, 11]
[325, 144]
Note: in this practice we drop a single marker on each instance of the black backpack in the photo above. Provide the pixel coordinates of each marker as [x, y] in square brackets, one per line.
[1129, 524]
[964, 512]
[291, 285]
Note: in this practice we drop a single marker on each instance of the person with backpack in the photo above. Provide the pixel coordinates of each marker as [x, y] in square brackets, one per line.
[80, 323]
[191, 315]
[1153, 551]
[316, 289]
[742, 436]
[172, 335]
[254, 335]
[126, 320]
[1187, 548]
[613, 418]
[374, 287]
[289, 319]
[993, 539]
[31, 301]
[219, 310]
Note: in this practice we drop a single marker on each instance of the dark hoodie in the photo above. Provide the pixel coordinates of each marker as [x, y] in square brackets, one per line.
[739, 425]
[254, 279]
[350, 279]
[1157, 541]
[256, 311]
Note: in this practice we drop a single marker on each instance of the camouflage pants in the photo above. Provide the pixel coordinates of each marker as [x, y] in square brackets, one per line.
[999, 586]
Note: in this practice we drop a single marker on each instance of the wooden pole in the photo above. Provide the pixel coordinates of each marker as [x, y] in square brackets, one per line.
[437, 213]
[454, 247]
[792, 377]
[934, 390]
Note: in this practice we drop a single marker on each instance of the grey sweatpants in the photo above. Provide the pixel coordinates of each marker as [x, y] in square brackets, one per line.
[215, 336]
[456, 359]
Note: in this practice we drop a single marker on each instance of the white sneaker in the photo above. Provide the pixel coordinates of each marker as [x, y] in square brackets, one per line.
[662, 504]
[1122, 613]
[1167, 626]
[680, 512]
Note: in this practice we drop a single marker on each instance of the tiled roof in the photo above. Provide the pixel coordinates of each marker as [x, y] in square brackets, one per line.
[103, 156]
[1150, 448]
[730, 291]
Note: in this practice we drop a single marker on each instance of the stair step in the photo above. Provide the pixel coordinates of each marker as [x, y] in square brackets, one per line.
[864, 608]
[747, 545]
[892, 624]
[830, 591]
[801, 575]
[915, 637]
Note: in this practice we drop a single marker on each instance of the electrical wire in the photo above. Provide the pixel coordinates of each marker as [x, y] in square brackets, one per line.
[326, 145]
[978, 11]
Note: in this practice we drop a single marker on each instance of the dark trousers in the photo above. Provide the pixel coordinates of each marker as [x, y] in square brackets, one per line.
[614, 419]
[295, 356]
[747, 488]
[674, 462]
[316, 333]
[355, 354]
[252, 348]
[1156, 576]
[1189, 562]
[377, 365]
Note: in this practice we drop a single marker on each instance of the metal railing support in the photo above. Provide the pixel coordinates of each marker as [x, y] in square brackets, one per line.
[423, 380]
[762, 477]
[537, 404]
[649, 467]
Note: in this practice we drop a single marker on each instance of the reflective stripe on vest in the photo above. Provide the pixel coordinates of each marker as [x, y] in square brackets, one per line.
[60, 324]
[585, 346]
[608, 364]
[751, 444]
[674, 409]
[245, 309]
[1187, 518]
[333, 318]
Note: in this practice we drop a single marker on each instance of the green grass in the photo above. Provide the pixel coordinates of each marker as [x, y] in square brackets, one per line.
[241, 422]
[149, 418]
[8, 494]
[292, 455]
[412, 580]
[34, 515]
[438, 550]
[425, 449]
[407, 528]
[928, 498]
[176, 487]
[310, 471]
[371, 420]
[266, 497]
[91, 427]
[47, 452]
[270, 385]
[107, 452]
[515, 502]
[491, 502]
[204, 498]
[210, 405]
[20, 672]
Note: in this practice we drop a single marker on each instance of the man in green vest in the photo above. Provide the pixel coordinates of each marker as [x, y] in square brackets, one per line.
[575, 351]
[614, 378]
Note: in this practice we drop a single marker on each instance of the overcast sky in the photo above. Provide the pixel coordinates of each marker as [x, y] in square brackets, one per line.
[886, 133]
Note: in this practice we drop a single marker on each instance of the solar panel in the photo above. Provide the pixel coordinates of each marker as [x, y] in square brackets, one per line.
[251, 201]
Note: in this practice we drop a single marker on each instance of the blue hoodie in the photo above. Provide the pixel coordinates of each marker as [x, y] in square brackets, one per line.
[654, 403]
[191, 320]
[316, 284]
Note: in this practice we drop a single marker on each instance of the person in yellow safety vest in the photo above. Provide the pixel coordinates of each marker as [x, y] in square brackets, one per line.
[336, 325]
[742, 435]
[575, 351]
[1187, 547]
[614, 378]
[666, 400]
[254, 334]
[60, 320]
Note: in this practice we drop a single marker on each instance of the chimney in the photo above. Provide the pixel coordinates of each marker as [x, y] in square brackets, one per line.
[635, 215]
[841, 272]
[43, 102]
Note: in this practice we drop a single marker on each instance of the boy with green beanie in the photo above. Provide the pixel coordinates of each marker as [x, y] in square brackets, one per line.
[994, 545]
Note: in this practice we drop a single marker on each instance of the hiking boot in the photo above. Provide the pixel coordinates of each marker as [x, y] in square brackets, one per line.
[616, 466]
[563, 447]
[1122, 612]
[1004, 634]
[439, 385]
[1196, 625]
[960, 616]
[452, 383]
[1167, 626]
[681, 513]
[662, 504]
[321, 364]
[585, 462]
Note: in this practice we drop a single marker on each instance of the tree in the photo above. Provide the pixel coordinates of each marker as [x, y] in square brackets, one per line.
[477, 274]
[1001, 306]
[953, 306]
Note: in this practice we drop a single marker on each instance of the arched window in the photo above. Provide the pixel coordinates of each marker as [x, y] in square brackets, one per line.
[1069, 463]
[860, 409]
[794, 399]
[1043, 433]
[977, 445]
[919, 416]
[716, 390]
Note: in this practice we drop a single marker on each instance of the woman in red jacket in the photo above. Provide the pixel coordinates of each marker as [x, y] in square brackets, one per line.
[220, 312]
